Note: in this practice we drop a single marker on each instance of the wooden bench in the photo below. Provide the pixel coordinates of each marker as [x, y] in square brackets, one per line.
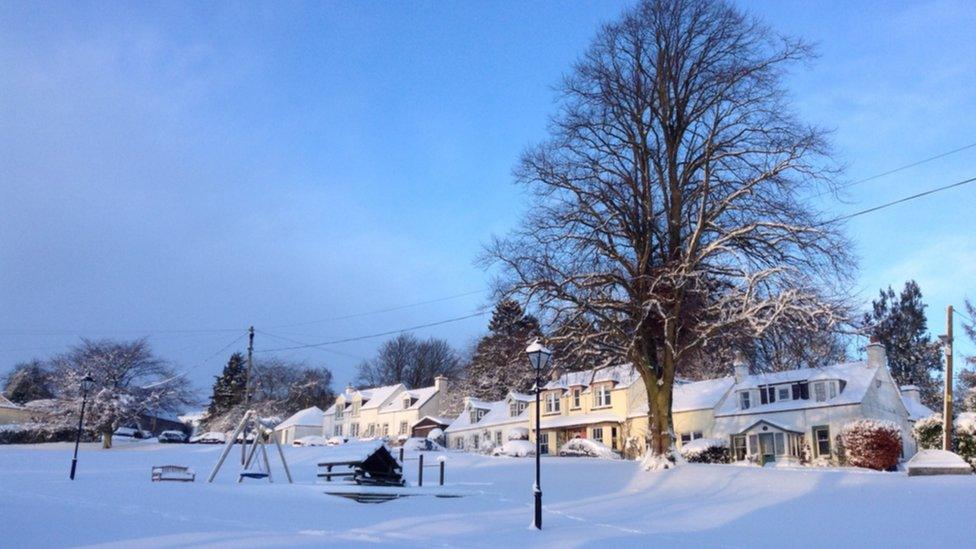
[378, 468]
[177, 473]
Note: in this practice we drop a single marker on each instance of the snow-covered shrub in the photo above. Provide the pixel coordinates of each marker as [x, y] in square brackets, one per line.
[706, 450]
[519, 433]
[872, 443]
[585, 447]
[34, 433]
[515, 448]
[435, 434]
[965, 439]
[928, 432]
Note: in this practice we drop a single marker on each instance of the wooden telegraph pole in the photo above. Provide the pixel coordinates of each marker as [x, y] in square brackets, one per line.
[247, 390]
[947, 404]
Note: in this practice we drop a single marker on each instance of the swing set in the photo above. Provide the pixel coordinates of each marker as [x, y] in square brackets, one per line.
[252, 465]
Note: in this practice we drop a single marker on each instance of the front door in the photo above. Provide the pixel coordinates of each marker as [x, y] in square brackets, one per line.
[767, 449]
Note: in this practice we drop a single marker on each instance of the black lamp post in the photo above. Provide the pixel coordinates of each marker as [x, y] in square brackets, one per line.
[86, 384]
[539, 358]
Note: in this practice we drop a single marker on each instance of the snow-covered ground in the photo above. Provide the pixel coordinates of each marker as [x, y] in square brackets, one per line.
[587, 503]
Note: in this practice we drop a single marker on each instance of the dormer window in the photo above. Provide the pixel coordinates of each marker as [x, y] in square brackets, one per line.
[552, 402]
[601, 396]
[744, 401]
[576, 397]
[407, 402]
[477, 414]
[355, 409]
[515, 407]
[819, 391]
[338, 411]
[783, 393]
[831, 389]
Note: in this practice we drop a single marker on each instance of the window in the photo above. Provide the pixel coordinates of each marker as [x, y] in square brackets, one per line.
[602, 396]
[576, 396]
[767, 395]
[474, 441]
[371, 430]
[407, 402]
[613, 437]
[498, 438]
[552, 403]
[403, 427]
[354, 430]
[821, 440]
[338, 412]
[337, 431]
[513, 409]
[779, 444]
[739, 447]
[784, 393]
[477, 414]
[544, 444]
[744, 400]
[819, 391]
[832, 389]
[355, 409]
[386, 429]
[801, 391]
[597, 434]
[688, 437]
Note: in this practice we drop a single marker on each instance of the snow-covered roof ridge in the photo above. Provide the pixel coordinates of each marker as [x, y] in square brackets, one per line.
[700, 395]
[843, 371]
[311, 416]
[498, 413]
[916, 410]
[379, 395]
[621, 374]
[419, 397]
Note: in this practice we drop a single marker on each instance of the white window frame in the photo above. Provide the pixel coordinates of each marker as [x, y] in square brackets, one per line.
[819, 391]
[780, 391]
[403, 428]
[552, 402]
[831, 390]
[596, 433]
[601, 396]
[577, 398]
[745, 400]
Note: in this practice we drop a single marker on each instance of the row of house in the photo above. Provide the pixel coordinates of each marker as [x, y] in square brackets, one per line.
[764, 417]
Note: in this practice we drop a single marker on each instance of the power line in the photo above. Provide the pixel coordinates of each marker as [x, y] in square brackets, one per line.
[187, 370]
[295, 341]
[109, 332]
[378, 311]
[899, 201]
[898, 169]
[370, 336]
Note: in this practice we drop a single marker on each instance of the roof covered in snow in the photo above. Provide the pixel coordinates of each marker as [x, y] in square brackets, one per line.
[418, 398]
[311, 417]
[856, 375]
[499, 413]
[622, 375]
[378, 395]
[916, 410]
[700, 395]
[580, 419]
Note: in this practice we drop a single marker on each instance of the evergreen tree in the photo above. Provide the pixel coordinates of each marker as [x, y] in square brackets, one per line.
[499, 363]
[898, 321]
[966, 394]
[228, 389]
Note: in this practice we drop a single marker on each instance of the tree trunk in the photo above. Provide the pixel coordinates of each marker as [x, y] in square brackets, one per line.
[658, 377]
[106, 440]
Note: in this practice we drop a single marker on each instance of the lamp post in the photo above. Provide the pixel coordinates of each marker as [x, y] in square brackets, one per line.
[86, 384]
[539, 358]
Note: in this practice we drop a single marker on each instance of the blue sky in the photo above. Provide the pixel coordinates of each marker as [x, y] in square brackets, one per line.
[169, 166]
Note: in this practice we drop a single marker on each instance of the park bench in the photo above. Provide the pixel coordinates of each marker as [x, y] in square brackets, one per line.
[377, 467]
[173, 472]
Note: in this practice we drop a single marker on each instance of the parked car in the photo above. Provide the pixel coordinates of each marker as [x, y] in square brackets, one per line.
[210, 437]
[583, 447]
[310, 440]
[172, 437]
[132, 432]
[336, 441]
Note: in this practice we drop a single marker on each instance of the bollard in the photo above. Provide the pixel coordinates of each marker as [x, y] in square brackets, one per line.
[401, 455]
[441, 459]
[420, 471]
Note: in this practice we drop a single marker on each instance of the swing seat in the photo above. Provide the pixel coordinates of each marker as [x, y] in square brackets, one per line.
[254, 474]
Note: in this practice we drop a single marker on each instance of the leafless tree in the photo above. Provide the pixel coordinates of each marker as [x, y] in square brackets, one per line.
[668, 207]
[408, 360]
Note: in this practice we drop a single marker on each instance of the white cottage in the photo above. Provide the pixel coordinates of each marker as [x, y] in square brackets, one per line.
[307, 422]
[772, 417]
[481, 420]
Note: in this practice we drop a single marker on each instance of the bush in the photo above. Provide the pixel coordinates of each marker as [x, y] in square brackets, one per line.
[706, 450]
[965, 437]
[928, 432]
[37, 433]
[871, 443]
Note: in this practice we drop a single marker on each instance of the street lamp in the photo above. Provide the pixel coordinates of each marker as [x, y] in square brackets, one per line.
[86, 384]
[539, 358]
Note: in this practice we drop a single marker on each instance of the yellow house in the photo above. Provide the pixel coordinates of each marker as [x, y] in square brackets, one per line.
[594, 404]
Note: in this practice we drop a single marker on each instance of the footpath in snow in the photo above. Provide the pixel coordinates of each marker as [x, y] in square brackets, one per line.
[588, 503]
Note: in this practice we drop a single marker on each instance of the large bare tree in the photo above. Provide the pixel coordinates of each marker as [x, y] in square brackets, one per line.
[668, 207]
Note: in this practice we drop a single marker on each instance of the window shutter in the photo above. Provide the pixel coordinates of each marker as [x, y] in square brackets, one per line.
[796, 391]
[805, 391]
[763, 396]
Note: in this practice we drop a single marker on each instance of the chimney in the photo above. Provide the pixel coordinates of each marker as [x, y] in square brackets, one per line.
[440, 384]
[740, 366]
[912, 392]
[876, 354]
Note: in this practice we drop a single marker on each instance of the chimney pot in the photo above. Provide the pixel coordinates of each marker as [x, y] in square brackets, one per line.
[740, 367]
[877, 357]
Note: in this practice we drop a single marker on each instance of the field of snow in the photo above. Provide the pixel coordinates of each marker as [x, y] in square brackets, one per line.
[587, 503]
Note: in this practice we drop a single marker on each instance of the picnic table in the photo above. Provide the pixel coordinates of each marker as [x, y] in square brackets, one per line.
[173, 473]
[370, 464]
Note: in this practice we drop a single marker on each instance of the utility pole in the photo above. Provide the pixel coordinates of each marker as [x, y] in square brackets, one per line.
[247, 390]
[947, 404]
